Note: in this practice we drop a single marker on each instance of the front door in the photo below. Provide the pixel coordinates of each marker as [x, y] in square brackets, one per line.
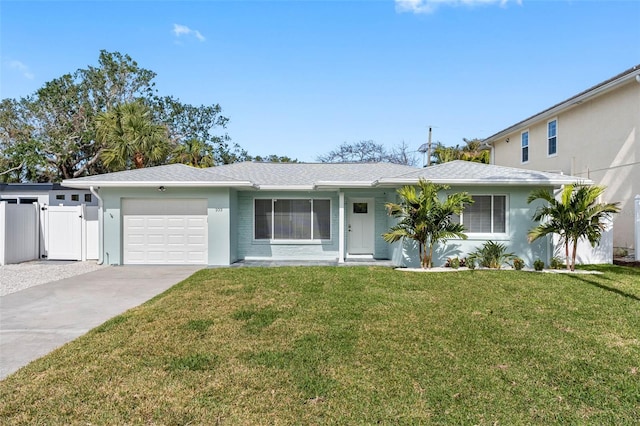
[360, 226]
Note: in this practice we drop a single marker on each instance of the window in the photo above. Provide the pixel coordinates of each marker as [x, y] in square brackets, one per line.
[59, 196]
[524, 137]
[87, 198]
[75, 197]
[294, 219]
[552, 137]
[360, 208]
[487, 215]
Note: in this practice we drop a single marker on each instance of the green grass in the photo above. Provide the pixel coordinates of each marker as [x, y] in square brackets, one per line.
[352, 345]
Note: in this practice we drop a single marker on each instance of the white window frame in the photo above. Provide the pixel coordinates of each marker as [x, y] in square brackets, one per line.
[522, 147]
[550, 137]
[492, 234]
[292, 241]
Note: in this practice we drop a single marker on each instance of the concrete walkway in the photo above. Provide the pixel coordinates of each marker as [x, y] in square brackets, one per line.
[35, 321]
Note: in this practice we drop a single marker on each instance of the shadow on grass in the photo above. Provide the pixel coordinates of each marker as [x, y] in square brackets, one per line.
[605, 287]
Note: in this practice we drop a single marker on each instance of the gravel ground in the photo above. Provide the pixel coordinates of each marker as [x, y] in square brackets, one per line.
[24, 275]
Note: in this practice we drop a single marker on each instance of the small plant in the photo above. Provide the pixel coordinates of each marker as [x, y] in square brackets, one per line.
[471, 263]
[538, 265]
[556, 263]
[453, 262]
[491, 255]
[518, 264]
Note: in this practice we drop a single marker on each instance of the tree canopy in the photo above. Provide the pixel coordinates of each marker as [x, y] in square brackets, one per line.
[369, 151]
[53, 134]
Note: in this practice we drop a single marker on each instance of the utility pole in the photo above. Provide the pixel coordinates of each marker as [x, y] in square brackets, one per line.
[429, 149]
[425, 149]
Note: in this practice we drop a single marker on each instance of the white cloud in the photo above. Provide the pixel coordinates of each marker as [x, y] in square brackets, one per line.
[429, 6]
[183, 30]
[17, 65]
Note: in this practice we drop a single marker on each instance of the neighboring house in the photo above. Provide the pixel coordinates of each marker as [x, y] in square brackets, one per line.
[278, 211]
[47, 221]
[593, 135]
[52, 194]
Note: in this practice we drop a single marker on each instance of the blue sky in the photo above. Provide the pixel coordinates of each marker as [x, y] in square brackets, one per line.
[298, 78]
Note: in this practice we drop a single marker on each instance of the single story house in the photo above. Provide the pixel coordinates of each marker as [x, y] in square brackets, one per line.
[176, 214]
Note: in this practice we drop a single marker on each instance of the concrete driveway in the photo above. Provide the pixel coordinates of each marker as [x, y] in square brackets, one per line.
[35, 321]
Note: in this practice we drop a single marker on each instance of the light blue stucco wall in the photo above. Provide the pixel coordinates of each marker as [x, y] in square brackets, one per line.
[249, 248]
[219, 204]
[518, 224]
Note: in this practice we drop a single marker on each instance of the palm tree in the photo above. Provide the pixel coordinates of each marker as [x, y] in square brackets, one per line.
[130, 136]
[193, 152]
[425, 218]
[575, 215]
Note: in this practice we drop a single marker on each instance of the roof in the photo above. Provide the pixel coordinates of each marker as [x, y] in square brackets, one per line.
[171, 174]
[597, 90]
[31, 187]
[317, 176]
[469, 173]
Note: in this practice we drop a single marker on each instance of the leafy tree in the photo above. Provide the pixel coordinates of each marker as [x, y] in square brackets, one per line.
[369, 152]
[186, 123]
[425, 218]
[272, 159]
[131, 137]
[51, 134]
[473, 150]
[193, 152]
[575, 214]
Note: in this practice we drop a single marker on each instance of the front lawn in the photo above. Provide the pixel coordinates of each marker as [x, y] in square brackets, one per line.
[351, 345]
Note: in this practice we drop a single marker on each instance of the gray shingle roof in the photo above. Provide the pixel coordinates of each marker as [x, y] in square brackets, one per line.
[171, 173]
[469, 173]
[309, 176]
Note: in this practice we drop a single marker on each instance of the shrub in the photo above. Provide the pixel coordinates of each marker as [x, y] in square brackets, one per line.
[556, 263]
[491, 255]
[538, 265]
[453, 262]
[518, 264]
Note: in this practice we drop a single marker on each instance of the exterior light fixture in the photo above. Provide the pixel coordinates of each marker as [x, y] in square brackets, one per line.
[162, 188]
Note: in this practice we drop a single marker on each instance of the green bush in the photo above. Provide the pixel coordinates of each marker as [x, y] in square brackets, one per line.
[556, 263]
[538, 265]
[518, 264]
[491, 255]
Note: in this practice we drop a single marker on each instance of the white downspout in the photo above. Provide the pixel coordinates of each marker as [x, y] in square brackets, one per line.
[100, 226]
[341, 255]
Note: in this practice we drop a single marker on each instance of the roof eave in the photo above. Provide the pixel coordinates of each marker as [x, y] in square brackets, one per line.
[565, 105]
[343, 184]
[480, 182]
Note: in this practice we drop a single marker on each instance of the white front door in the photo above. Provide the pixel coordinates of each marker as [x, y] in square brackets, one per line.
[360, 226]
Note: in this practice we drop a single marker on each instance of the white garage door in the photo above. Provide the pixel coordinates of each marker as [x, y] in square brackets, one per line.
[164, 231]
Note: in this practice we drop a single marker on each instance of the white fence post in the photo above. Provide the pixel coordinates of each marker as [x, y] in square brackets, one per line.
[3, 232]
[636, 248]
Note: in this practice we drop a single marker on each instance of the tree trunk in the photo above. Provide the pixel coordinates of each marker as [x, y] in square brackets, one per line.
[573, 256]
[566, 254]
[138, 160]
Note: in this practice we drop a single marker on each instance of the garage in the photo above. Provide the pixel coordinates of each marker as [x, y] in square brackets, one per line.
[164, 231]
